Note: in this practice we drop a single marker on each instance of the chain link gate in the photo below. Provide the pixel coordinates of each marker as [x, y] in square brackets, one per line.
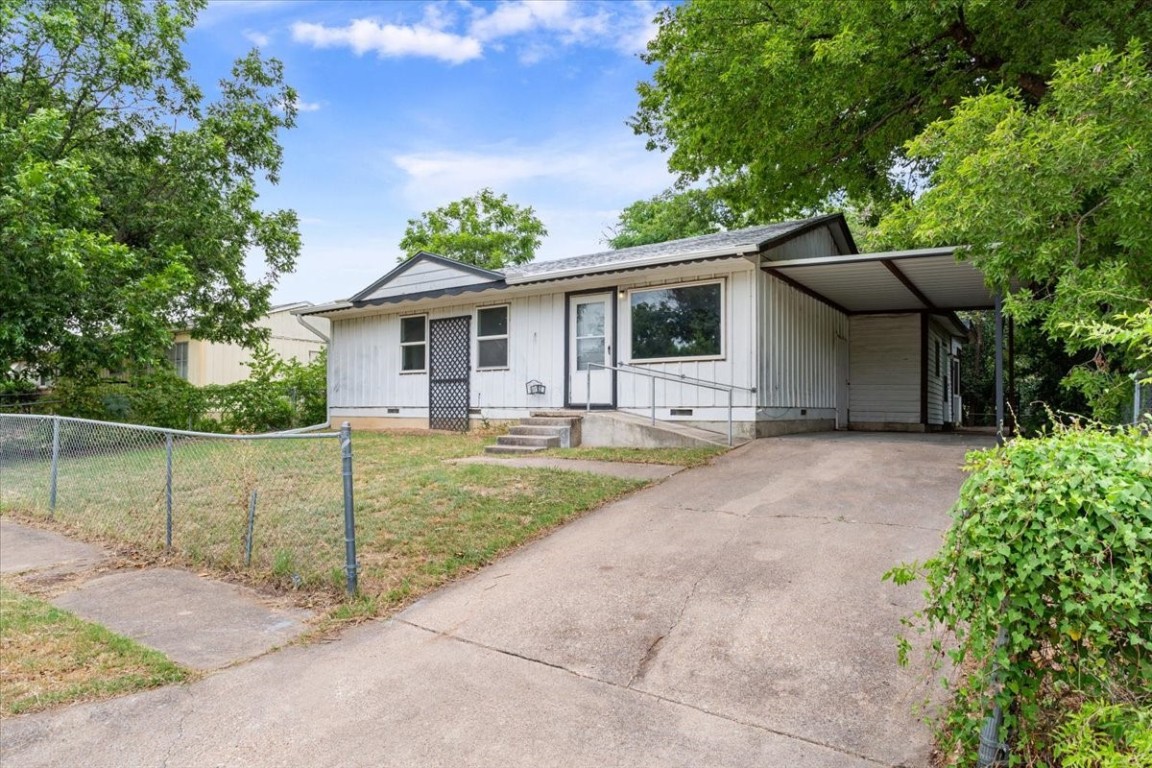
[449, 366]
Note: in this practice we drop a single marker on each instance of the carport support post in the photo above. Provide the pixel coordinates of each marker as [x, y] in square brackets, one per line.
[349, 515]
[55, 465]
[999, 309]
[168, 491]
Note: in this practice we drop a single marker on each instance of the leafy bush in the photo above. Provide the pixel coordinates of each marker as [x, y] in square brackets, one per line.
[276, 395]
[1103, 735]
[1052, 538]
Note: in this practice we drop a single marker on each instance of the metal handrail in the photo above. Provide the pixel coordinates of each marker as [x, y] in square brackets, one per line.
[665, 376]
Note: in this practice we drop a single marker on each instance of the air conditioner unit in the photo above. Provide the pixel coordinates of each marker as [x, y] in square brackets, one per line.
[957, 412]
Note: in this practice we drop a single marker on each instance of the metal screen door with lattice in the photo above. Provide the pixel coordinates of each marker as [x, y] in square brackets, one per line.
[449, 367]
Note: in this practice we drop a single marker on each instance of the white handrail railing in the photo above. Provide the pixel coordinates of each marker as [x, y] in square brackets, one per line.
[665, 376]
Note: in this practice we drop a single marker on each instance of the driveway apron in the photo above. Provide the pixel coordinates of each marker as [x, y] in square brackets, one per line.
[732, 615]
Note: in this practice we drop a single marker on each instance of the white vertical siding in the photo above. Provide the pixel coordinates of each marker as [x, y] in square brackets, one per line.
[884, 369]
[364, 367]
[797, 338]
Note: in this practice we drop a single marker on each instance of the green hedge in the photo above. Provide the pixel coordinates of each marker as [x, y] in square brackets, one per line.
[1052, 538]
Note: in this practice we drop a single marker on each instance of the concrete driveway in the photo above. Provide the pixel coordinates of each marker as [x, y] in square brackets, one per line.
[733, 615]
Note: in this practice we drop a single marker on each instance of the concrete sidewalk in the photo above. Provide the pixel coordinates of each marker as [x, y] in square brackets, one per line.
[198, 622]
[733, 615]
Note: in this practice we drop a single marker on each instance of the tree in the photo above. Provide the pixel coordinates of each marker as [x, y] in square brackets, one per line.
[128, 202]
[673, 215]
[1018, 129]
[484, 230]
[1056, 198]
[788, 103]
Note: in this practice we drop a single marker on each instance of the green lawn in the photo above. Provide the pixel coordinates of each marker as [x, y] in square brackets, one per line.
[684, 457]
[420, 519]
[49, 657]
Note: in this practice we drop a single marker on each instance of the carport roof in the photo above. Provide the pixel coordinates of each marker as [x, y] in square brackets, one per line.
[928, 279]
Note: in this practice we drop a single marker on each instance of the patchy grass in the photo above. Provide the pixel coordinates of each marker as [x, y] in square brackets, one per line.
[420, 520]
[684, 457]
[49, 657]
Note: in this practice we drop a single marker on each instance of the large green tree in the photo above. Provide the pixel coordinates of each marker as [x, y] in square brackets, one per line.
[672, 215]
[128, 200]
[788, 103]
[485, 230]
[1020, 130]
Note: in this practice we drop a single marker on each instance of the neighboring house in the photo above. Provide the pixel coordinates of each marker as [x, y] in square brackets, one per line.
[290, 336]
[817, 335]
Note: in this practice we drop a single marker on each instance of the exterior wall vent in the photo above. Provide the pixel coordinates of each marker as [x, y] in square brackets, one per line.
[393, 410]
[681, 411]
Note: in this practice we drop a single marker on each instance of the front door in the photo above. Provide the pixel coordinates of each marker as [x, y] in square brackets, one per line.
[449, 368]
[590, 334]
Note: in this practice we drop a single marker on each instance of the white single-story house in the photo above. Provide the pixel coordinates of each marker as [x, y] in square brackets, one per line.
[802, 330]
[290, 337]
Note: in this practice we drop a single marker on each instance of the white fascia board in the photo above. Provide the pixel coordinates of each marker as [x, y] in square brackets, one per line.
[619, 266]
[861, 258]
[323, 309]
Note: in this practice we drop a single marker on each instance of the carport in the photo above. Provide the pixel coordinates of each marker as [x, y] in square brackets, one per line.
[925, 286]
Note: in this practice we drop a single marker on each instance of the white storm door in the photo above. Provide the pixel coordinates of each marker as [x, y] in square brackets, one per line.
[590, 342]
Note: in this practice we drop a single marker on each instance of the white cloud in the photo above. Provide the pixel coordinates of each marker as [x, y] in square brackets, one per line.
[390, 40]
[457, 34]
[577, 185]
[258, 38]
[307, 106]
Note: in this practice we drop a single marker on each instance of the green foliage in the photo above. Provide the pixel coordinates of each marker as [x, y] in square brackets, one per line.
[1103, 735]
[1055, 198]
[127, 202]
[789, 103]
[1052, 539]
[276, 395]
[484, 230]
[673, 215]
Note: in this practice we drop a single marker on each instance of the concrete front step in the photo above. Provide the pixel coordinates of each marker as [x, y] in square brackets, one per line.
[548, 421]
[538, 441]
[513, 449]
[539, 431]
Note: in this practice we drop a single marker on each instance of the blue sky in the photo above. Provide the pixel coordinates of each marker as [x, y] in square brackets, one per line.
[405, 106]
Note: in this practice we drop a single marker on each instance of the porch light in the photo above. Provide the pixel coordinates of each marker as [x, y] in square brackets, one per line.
[535, 387]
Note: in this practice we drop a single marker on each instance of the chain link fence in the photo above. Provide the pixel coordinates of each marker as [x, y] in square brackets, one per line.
[276, 507]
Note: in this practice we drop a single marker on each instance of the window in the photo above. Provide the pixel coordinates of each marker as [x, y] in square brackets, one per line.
[677, 323]
[492, 337]
[413, 343]
[178, 356]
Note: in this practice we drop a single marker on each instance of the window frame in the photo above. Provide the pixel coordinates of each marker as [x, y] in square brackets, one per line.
[506, 336]
[722, 314]
[174, 358]
[422, 343]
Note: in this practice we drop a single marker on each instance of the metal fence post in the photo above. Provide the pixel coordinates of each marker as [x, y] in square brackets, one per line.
[652, 396]
[55, 465]
[729, 418]
[168, 491]
[251, 529]
[349, 515]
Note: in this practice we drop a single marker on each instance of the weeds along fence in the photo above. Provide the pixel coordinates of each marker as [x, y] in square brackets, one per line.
[275, 507]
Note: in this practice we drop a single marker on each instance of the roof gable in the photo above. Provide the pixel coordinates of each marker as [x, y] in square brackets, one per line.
[427, 272]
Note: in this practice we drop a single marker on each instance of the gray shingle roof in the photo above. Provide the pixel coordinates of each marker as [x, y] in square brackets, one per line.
[734, 241]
